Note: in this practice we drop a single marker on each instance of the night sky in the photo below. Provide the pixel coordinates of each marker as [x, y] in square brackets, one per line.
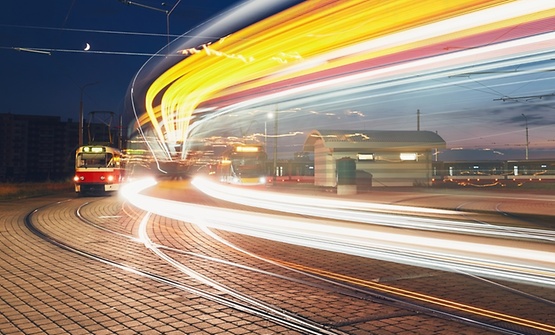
[45, 69]
[121, 36]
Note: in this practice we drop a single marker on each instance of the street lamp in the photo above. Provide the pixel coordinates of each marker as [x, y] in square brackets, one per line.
[527, 142]
[81, 112]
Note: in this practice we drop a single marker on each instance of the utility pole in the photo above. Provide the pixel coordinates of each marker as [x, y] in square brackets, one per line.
[167, 12]
[275, 144]
[120, 133]
[527, 142]
[81, 112]
[418, 119]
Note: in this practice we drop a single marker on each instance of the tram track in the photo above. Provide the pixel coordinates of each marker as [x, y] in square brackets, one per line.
[538, 226]
[267, 312]
[334, 282]
[517, 227]
[409, 300]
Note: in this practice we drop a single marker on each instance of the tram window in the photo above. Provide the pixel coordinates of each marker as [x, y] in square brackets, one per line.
[91, 160]
[111, 160]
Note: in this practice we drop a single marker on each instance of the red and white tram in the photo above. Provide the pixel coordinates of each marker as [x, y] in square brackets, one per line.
[98, 169]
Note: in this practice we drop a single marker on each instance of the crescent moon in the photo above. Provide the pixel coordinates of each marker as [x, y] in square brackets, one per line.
[87, 47]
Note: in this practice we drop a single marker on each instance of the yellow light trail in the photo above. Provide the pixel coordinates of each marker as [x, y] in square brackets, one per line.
[316, 36]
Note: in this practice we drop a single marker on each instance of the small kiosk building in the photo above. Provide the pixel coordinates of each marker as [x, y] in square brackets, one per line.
[382, 157]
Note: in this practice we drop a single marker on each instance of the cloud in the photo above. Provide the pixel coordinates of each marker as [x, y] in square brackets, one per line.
[537, 114]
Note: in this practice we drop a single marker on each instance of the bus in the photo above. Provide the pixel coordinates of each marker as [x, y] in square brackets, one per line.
[98, 169]
[243, 164]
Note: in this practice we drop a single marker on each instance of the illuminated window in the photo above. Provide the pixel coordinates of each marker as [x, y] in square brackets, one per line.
[365, 157]
[94, 149]
[247, 149]
[408, 156]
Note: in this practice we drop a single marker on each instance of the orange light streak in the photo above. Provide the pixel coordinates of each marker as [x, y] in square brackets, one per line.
[421, 297]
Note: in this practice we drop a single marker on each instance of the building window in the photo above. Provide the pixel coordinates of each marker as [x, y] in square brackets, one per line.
[408, 156]
[365, 157]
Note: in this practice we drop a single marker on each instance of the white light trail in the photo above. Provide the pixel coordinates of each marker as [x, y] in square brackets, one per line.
[363, 211]
[525, 261]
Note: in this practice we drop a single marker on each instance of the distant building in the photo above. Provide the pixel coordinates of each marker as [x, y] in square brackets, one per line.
[37, 148]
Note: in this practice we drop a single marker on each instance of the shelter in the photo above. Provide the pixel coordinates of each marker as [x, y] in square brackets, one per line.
[390, 158]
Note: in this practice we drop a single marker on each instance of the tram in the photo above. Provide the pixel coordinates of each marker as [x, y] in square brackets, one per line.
[243, 164]
[98, 169]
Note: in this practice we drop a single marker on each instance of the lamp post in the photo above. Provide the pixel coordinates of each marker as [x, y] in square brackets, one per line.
[275, 143]
[527, 142]
[81, 112]
[273, 115]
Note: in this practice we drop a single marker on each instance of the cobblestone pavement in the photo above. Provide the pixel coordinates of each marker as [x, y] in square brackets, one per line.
[46, 289]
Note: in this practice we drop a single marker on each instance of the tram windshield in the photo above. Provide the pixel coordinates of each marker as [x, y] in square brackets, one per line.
[92, 160]
[248, 166]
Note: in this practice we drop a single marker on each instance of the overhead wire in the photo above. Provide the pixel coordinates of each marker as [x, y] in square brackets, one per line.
[103, 31]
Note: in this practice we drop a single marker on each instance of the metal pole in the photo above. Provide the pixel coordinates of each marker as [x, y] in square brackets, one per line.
[527, 141]
[81, 112]
[275, 143]
[265, 137]
[81, 119]
[418, 119]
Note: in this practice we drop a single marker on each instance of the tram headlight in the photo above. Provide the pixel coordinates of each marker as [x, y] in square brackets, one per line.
[110, 178]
